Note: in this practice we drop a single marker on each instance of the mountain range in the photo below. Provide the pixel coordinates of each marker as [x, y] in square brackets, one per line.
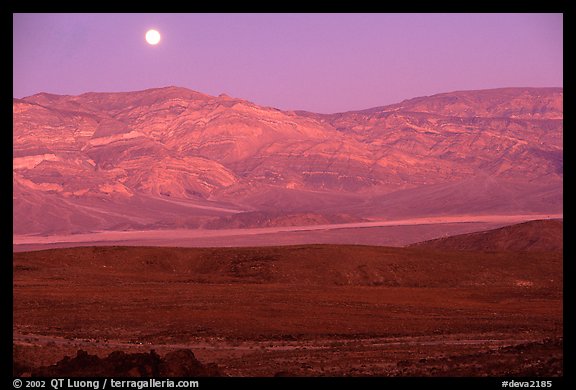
[171, 158]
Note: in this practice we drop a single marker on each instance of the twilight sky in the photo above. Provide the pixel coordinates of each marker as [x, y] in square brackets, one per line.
[317, 62]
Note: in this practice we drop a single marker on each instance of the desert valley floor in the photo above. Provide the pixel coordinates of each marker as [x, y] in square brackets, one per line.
[304, 310]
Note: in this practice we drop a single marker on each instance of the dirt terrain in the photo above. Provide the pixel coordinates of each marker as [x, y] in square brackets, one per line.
[308, 310]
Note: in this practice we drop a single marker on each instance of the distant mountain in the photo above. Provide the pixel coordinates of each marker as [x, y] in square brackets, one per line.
[527, 236]
[172, 157]
[513, 103]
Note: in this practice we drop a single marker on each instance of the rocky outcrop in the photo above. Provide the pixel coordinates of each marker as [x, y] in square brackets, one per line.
[180, 363]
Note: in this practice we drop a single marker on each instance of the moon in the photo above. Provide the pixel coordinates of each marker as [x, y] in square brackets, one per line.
[152, 37]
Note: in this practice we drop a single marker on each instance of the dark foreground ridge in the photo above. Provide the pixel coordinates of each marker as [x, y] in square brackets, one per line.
[533, 359]
[180, 363]
[538, 235]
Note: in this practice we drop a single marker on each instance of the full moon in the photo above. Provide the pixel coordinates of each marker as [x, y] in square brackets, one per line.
[152, 37]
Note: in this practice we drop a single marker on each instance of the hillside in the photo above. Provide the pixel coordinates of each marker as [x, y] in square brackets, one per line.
[528, 236]
[317, 265]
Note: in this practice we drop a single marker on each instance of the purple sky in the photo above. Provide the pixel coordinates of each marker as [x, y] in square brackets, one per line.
[316, 62]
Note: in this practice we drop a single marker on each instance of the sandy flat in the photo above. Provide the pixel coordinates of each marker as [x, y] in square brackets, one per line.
[278, 235]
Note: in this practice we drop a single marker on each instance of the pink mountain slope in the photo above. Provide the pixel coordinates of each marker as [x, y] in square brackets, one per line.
[175, 158]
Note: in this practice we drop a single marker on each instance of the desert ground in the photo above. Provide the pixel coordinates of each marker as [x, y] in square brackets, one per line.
[303, 310]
